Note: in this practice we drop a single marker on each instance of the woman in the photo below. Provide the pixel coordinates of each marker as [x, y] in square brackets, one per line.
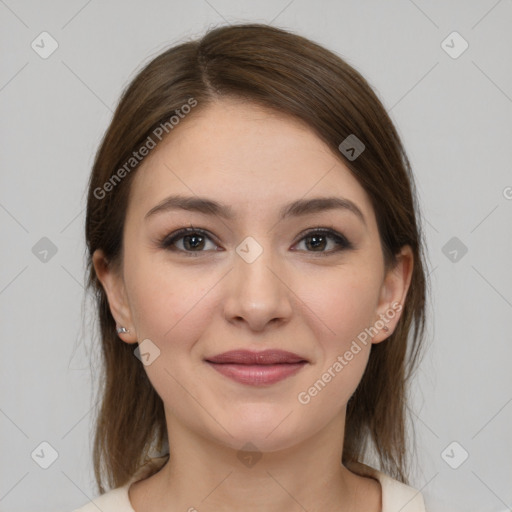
[257, 261]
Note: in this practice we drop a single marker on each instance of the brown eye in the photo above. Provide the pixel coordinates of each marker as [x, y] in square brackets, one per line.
[317, 240]
[188, 240]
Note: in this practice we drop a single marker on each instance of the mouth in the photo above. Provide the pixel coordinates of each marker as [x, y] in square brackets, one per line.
[257, 368]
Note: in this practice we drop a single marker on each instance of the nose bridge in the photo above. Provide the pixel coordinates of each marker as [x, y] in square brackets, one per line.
[252, 267]
[257, 294]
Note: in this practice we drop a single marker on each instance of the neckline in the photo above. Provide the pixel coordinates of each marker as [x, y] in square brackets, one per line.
[386, 483]
[142, 473]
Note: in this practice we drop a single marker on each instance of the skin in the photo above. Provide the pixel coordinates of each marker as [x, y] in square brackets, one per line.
[292, 297]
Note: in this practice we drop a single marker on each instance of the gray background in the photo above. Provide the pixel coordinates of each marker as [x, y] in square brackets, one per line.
[454, 117]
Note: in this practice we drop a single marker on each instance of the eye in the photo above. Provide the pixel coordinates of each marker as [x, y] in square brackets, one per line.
[318, 239]
[187, 240]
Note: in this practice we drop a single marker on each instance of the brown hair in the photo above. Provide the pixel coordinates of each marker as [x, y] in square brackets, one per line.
[295, 76]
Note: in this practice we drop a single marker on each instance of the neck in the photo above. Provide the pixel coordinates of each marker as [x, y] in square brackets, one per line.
[204, 475]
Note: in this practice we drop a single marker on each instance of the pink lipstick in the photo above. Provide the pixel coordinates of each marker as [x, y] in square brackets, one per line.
[257, 368]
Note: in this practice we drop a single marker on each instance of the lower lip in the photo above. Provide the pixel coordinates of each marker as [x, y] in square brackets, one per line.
[257, 375]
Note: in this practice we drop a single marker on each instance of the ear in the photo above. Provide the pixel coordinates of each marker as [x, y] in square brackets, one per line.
[113, 284]
[393, 293]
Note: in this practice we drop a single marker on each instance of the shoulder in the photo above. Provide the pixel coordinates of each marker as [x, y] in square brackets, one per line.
[118, 500]
[115, 500]
[396, 496]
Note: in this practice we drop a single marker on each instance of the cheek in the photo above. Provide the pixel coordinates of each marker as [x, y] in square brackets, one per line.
[338, 308]
[173, 309]
[168, 305]
[339, 305]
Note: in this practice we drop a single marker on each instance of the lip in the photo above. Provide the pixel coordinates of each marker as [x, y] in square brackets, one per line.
[264, 357]
[257, 368]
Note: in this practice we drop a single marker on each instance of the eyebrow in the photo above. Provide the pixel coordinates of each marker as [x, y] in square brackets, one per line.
[296, 208]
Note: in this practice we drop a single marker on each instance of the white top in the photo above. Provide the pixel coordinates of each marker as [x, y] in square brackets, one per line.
[396, 496]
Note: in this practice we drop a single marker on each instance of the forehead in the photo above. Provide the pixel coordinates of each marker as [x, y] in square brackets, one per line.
[245, 156]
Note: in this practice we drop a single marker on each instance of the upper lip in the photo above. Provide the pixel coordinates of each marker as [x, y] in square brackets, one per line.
[264, 357]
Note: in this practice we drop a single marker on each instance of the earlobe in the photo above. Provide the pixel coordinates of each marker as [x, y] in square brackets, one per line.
[393, 294]
[113, 284]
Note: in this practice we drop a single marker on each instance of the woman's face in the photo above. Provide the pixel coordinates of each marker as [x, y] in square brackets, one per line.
[252, 280]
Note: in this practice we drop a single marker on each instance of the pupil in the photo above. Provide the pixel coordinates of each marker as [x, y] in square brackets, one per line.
[315, 239]
[193, 245]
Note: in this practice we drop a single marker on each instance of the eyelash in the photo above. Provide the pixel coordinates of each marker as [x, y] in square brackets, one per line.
[167, 241]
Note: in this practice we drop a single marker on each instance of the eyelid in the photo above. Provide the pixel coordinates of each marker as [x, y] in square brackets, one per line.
[331, 232]
[168, 240]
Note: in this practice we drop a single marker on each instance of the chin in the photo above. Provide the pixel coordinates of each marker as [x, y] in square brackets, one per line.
[270, 429]
[259, 441]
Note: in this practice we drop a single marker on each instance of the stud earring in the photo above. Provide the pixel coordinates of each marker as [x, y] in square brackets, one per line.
[385, 328]
[122, 330]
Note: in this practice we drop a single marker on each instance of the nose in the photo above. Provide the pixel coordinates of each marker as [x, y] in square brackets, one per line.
[257, 294]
